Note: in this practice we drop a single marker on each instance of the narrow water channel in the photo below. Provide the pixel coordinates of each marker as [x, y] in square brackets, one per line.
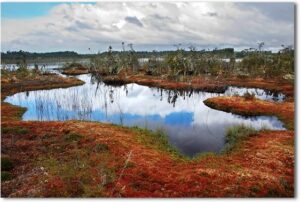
[191, 126]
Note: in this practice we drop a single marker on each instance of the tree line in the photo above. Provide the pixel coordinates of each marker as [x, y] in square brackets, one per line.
[178, 64]
[181, 63]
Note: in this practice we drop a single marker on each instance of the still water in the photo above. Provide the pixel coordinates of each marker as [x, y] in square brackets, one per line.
[191, 126]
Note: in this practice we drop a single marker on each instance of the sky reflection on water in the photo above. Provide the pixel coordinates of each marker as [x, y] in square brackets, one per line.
[191, 126]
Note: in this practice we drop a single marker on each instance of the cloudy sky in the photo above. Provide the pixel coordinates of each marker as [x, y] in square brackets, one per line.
[44, 27]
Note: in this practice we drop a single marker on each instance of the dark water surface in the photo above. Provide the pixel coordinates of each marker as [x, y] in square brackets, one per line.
[191, 126]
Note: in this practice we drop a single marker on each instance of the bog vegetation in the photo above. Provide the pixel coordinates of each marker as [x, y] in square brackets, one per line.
[178, 64]
[74, 164]
[252, 62]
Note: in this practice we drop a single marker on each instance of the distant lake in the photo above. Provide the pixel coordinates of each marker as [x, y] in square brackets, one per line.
[161, 59]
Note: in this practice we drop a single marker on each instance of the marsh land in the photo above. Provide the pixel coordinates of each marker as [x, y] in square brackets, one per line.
[129, 124]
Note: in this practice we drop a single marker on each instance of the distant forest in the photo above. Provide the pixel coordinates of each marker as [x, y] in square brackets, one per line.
[15, 56]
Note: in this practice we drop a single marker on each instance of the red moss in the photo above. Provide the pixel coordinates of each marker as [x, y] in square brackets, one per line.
[242, 106]
[76, 71]
[206, 83]
[261, 166]
[55, 187]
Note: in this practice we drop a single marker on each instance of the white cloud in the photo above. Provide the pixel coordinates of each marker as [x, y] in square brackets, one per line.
[82, 26]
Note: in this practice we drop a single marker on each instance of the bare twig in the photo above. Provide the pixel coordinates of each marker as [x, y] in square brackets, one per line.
[122, 171]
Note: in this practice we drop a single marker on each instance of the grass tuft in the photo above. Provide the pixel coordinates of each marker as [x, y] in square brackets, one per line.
[235, 134]
[5, 176]
[77, 175]
[6, 163]
[158, 140]
[203, 155]
[73, 137]
[14, 130]
[101, 147]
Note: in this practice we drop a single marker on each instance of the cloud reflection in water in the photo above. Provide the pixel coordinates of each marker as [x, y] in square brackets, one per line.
[191, 126]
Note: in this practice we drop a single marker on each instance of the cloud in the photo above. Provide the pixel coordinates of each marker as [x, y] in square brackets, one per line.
[277, 11]
[211, 14]
[134, 21]
[157, 24]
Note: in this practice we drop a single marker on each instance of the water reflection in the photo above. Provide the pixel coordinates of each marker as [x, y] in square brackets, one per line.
[191, 126]
[259, 93]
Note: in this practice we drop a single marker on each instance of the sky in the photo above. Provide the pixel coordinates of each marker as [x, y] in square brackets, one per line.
[92, 27]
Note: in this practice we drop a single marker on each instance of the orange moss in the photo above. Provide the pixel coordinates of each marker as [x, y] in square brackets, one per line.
[242, 106]
[111, 162]
[75, 71]
[262, 166]
[38, 82]
[275, 84]
[154, 81]
[205, 83]
[11, 112]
